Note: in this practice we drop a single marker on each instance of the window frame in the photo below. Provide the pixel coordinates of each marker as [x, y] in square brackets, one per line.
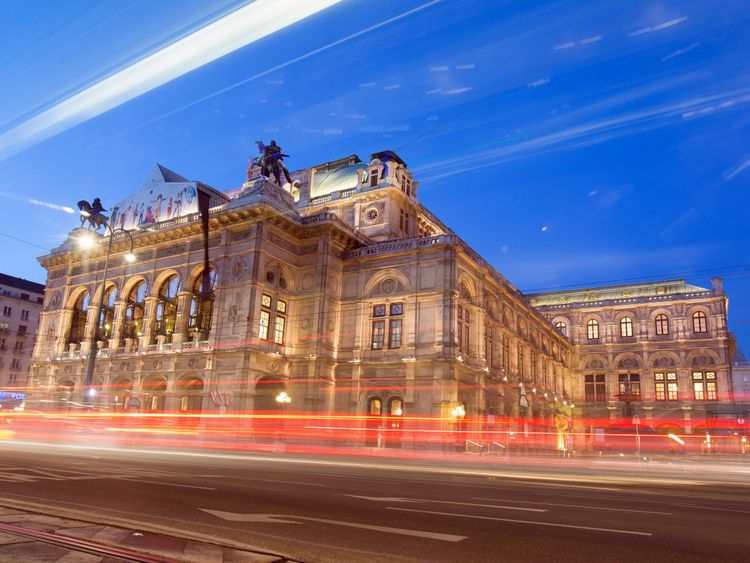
[626, 327]
[592, 329]
[702, 325]
[661, 325]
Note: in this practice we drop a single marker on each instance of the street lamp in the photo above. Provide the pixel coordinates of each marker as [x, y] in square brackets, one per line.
[87, 242]
[283, 399]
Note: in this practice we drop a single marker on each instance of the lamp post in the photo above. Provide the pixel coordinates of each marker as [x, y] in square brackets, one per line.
[283, 399]
[87, 242]
[459, 412]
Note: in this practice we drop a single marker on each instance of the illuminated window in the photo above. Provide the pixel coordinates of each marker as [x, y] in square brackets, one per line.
[394, 333]
[135, 308]
[273, 314]
[278, 336]
[375, 407]
[595, 388]
[78, 324]
[374, 177]
[265, 321]
[626, 327]
[704, 386]
[665, 386]
[464, 330]
[592, 329]
[166, 306]
[630, 383]
[378, 335]
[562, 328]
[202, 302]
[107, 314]
[700, 322]
[661, 323]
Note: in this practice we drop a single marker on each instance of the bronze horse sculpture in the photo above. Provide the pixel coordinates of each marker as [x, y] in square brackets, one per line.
[92, 212]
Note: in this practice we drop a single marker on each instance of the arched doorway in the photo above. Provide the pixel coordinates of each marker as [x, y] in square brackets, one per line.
[266, 390]
[62, 396]
[154, 394]
[120, 391]
[190, 392]
[383, 421]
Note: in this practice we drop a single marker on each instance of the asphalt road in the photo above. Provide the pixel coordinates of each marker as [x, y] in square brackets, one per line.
[360, 509]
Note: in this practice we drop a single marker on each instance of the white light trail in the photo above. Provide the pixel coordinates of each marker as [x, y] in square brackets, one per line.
[40, 203]
[213, 41]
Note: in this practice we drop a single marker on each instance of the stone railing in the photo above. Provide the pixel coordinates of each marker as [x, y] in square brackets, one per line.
[401, 245]
[166, 348]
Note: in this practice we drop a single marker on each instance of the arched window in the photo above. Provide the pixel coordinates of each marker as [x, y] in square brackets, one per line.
[562, 328]
[700, 322]
[662, 324]
[107, 314]
[166, 306]
[626, 327]
[201, 304]
[135, 308]
[77, 332]
[592, 329]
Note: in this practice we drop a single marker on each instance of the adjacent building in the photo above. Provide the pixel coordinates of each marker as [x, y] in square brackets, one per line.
[20, 304]
[345, 292]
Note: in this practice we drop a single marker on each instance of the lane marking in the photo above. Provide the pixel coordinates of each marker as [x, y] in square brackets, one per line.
[529, 478]
[712, 508]
[575, 506]
[533, 523]
[281, 519]
[259, 479]
[162, 483]
[400, 499]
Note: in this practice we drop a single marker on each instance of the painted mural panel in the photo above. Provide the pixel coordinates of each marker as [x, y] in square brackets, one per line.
[156, 202]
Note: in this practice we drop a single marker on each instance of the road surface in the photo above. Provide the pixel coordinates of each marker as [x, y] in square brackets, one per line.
[360, 509]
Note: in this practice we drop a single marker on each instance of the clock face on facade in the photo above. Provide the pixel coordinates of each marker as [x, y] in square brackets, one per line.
[371, 215]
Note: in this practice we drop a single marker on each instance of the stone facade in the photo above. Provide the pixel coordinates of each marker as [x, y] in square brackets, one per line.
[20, 306]
[666, 342]
[344, 291]
[385, 311]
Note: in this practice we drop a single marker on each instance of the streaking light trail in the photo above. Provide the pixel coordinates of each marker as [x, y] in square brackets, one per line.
[225, 35]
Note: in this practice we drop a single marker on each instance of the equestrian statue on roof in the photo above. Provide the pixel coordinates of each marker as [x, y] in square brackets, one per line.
[271, 162]
[93, 213]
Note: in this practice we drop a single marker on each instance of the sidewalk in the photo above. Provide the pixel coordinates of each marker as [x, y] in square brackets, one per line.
[66, 540]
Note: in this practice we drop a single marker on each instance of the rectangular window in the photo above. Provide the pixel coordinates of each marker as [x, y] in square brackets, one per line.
[406, 223]
[698, 390]
[704, 386]
[24, 315]
[21, 329]
[630, 383]
[278, 336]
[665, 385]
[265, 301]
[595, 388]
[397, 308]
[2, 343]
[15, 363]
[378, 311]
[401, 219]
[373, 177]
[18, 347]
[265, 321]
[378, 335]
[25, 296]
[281, 306]
[7, 311]
[394, 334]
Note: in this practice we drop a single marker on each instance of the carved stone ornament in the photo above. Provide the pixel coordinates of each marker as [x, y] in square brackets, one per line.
[56, 300]
[191, 363]
[628, 363]
[273, 366]
[663, 362]
[389, 286]
[304, 323]
[238, 269]
[703, 360]
[595, 364]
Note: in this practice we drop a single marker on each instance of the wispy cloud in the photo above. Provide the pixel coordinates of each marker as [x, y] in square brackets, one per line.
[440, 68]
[540, 82]
[392, 87]
[586, 41]
[591, 132]
[225, 35]
[367, 84]
[460, 90]
[736, 169]
[275, 82]
[652, 28]
[465, 67]
[679, 52]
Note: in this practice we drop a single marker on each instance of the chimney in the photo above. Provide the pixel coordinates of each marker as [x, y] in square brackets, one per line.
[717, 285]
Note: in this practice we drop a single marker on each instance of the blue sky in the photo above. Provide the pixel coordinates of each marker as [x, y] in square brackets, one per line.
[568, 142]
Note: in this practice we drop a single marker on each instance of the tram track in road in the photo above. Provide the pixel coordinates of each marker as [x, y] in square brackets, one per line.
[81, 545]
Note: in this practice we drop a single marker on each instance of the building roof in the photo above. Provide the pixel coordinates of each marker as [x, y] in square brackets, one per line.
[344, 178]
[160, 173]
[612, 292]
[20, 283]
